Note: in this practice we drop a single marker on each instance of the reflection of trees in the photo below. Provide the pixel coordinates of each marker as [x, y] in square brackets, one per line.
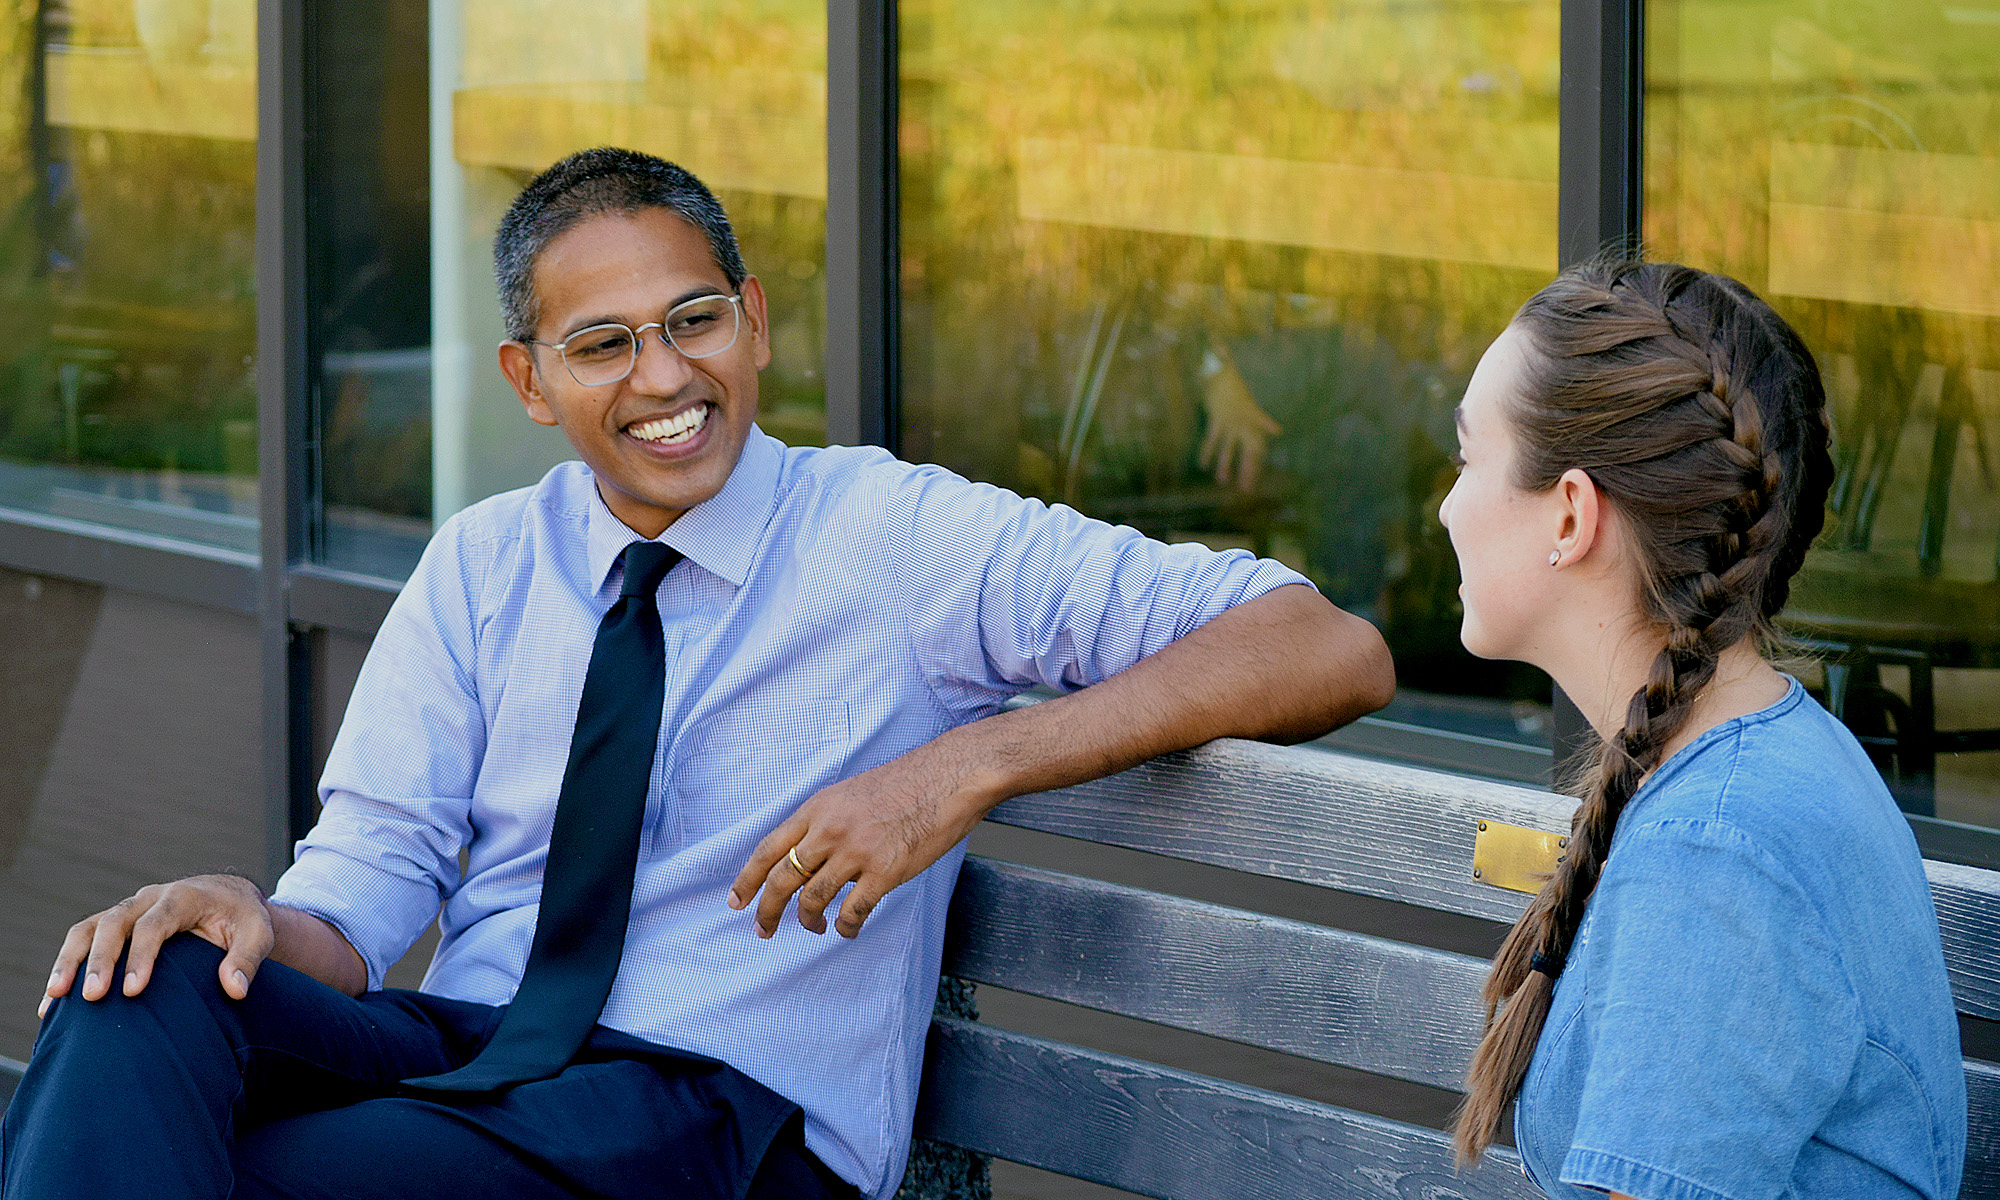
[127, 263]
[1094, 364]
[24, 235]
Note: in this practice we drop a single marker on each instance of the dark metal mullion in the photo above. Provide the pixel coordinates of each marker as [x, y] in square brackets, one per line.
[1601, 182]
[283, 424]
[1603, 107]
[863, 366]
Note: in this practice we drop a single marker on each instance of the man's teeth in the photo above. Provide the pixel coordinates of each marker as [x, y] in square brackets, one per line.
[670, 430]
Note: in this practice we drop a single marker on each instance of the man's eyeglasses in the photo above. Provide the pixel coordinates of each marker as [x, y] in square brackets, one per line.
[604, 354]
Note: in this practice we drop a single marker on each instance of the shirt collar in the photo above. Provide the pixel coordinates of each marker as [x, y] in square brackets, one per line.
[720, 534]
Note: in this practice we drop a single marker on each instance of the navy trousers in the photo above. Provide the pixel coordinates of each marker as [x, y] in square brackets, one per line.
[181, 1093]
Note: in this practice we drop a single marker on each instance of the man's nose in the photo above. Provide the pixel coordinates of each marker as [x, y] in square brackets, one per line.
[661, 370]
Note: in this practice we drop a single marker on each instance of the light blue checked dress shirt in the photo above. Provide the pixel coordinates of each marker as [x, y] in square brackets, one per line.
[837, 609]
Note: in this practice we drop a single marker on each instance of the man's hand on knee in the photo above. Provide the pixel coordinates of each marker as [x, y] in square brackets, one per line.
[224, 910]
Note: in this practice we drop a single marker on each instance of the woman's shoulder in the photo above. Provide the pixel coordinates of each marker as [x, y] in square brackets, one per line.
[1787, 770]
[1789, 798]
[1789, 786]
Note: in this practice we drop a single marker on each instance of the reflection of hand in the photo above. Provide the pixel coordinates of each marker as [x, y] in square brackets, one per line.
[1238, 430]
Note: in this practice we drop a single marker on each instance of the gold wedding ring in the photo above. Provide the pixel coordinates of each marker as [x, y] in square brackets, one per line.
[792, 856]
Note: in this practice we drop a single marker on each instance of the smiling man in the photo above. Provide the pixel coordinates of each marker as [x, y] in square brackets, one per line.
[615, 727]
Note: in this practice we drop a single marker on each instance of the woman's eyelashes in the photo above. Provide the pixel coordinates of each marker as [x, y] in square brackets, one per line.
[1458, 459]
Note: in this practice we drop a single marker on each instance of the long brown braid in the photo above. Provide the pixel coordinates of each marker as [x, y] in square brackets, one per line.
[1701, 417]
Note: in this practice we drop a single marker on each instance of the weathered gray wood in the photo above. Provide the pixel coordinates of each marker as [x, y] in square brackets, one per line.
[1166, 1133]
[1968, 909]
[1982, 1144]
[1315, 816]
[1325, 994]
[1401, 833]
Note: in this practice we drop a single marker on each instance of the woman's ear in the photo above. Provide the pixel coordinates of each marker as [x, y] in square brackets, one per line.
[1580, 510]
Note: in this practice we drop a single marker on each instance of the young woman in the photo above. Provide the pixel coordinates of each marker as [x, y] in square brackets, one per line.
[1731, 986]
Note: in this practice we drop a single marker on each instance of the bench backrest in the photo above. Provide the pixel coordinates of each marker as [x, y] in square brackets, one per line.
[1398, 1010]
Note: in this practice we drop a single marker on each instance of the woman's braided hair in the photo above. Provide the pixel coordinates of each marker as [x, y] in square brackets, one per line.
[1701, 417]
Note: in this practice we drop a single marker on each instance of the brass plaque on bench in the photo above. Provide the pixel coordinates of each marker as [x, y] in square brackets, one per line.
[1512, 857]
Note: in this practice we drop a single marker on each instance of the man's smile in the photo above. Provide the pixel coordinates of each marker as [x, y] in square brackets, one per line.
[676, 430]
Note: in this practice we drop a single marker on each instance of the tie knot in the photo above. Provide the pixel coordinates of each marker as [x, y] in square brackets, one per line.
[646, 563]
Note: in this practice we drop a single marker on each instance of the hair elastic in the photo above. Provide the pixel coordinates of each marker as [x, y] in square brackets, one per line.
[1548, 965]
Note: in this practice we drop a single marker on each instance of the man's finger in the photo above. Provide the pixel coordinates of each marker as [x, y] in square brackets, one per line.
[783, 879]
[859, 903]
[819, 891]
[106, 944]
[249, 945]
[76, 944]
[763, 859]
[149, 932]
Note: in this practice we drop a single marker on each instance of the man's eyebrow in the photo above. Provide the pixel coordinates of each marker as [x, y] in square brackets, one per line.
[694, 293]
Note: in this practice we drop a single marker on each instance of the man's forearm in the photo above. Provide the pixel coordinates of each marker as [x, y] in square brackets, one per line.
[306, 943]
[1285, 667]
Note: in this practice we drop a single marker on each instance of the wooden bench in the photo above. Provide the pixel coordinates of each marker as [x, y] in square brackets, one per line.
[1399, 1010]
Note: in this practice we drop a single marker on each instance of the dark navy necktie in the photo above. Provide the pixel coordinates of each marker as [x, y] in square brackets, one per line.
[587, 885]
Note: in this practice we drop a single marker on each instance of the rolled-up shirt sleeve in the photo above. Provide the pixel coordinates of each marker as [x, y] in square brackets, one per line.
[398, 783]
[1004, 593]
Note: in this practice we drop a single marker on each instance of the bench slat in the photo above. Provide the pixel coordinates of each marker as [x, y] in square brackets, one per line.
[1982, 1148]
[1160, 1132]
[1395, 832]
[1313, 816]
[1968, 909]
[1326, 994]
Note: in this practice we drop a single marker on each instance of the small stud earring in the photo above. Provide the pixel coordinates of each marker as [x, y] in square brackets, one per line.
[1555, 556]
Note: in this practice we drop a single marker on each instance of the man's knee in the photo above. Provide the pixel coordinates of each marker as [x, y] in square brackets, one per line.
[199, 961]
[187, 969]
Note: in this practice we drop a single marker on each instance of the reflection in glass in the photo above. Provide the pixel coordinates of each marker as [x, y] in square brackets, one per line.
[368, 281]
[1844, 160]
[1221, 272]
[127, 230]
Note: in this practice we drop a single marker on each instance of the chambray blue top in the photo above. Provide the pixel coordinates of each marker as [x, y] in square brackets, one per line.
[837, 608]
[1756, 1003]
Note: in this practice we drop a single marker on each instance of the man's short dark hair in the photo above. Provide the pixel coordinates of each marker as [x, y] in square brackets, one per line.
[587, 184]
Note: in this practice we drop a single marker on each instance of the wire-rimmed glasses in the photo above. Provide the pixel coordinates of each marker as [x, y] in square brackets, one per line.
[604, 354]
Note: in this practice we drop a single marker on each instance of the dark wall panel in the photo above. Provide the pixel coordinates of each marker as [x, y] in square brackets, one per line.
[141, 762]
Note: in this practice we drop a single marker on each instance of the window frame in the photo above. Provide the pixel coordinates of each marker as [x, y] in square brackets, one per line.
[298, 601]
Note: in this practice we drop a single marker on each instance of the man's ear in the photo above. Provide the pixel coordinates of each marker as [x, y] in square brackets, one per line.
[517, 363]
[1580, 513]
[757, 316]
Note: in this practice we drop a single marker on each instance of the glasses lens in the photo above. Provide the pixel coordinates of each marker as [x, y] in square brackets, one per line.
[599, 355]
[703, 326]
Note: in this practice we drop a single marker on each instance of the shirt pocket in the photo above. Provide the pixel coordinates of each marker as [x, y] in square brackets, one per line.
[756, 763]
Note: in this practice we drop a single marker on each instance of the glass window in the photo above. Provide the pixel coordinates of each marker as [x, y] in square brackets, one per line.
[127, 236]
[1221, 271]
[418, 420]
[1844, 161]
[132, 755]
